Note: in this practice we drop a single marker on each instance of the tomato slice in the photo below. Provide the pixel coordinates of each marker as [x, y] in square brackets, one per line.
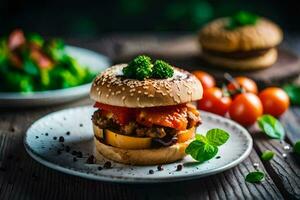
[122, 114]
[167, 116]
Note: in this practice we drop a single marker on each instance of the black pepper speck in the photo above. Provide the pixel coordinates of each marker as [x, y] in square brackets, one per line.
[151, 171]
[61, 139]
[36, 137]
[107, 165]
[179, 167]
[100, 168]
[160, 168]
[91, 160]
[46, 134]
[81, 125]
[54, 138]
[68, 133]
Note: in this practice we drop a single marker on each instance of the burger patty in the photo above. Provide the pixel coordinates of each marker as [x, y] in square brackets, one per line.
[238, 54]
[136, 129]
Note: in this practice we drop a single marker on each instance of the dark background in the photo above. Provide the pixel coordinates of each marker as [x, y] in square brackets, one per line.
[83, 18]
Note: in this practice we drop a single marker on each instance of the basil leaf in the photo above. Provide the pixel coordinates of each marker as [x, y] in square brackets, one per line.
[293, 92]
[297, 147]
[201, 151]
[271, 126]
[255, 177]
[201, 138]
[217, 137]
[267, 155]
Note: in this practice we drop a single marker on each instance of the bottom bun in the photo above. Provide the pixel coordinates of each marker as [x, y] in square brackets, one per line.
[153, 156]
[259, 62]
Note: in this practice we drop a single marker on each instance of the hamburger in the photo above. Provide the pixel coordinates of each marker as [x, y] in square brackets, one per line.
[243, 41]
[144, 113]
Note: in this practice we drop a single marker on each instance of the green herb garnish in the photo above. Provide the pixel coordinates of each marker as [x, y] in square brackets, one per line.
[255, 177]
[267, 155]
[271, 127]
[293, 92]
[161, 69]
[240, 19]
[297, 147]
[141, 68]
[204, 148]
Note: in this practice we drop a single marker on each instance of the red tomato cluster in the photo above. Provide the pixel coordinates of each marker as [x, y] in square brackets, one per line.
[241, 99]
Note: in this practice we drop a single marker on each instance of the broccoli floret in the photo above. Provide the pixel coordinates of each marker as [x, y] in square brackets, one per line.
[241, 18]
[139, 68]
[161, 69]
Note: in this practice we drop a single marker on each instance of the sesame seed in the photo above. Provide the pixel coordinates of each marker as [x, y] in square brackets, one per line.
[123, 97]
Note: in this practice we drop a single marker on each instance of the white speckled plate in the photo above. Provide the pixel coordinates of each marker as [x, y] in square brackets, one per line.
[75, 126]
[94, 61]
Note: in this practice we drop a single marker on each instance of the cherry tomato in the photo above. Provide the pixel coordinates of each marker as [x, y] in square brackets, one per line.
[247, 84]
[275, 101]
[214, 101]
[246, 108]
[206, 79]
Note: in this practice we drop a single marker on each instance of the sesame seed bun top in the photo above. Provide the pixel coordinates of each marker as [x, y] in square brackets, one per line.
[264, 34]
[110, 87]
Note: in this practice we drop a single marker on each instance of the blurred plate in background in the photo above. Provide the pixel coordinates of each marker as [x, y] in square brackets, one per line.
[94, 61]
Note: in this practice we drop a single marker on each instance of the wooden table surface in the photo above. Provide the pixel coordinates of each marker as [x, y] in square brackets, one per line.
[23, 178]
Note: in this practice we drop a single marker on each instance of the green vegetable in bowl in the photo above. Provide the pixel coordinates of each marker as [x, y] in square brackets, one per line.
[29, 63]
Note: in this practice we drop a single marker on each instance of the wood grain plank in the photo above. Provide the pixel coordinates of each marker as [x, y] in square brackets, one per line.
[27, 179]
[291, 122]
[285, 171]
